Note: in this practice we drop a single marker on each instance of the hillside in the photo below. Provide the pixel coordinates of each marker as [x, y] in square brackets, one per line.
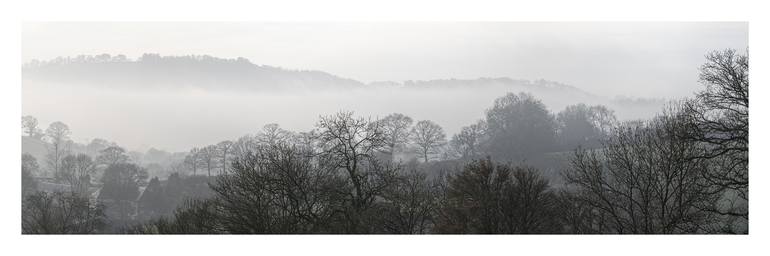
[211, 73]
[171, 72]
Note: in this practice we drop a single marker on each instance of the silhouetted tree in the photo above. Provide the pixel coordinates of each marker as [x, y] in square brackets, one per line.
[490, 198]
[350, 143]
[429, 137]
[719, 120]
[278, 189]
[409, 204]
[578, 216]
[530, 205]
[395, 128]
[645, 179]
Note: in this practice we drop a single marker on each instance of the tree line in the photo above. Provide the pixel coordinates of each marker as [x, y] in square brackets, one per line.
[684, 171]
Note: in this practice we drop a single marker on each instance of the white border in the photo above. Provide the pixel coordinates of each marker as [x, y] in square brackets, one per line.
[398, 10]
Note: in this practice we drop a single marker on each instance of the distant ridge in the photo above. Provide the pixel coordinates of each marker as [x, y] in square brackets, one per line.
[202, 72]
[212, 73]
[153, 71]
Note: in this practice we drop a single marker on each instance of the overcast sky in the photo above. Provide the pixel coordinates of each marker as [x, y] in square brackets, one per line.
[634, 59]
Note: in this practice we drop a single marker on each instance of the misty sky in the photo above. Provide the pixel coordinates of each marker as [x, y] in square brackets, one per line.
[658, 60]
[633, 59]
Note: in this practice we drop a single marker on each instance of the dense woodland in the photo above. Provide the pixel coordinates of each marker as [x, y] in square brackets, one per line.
[520, 169]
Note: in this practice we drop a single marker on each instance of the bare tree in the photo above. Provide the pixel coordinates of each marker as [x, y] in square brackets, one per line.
[429, 137]
[604, 119]
[272, 134]
[395, 128]
[29, 126]
[467, 143]
[530, 205]
[491, 198]
[193, 160]
[243, 146]
[279, 189]
[350, 141]
[58, 137]
[224, 148]
[350, 144]
[645, 179]
[719, 119]
[208, 156]
[409, 204]
[77, 171]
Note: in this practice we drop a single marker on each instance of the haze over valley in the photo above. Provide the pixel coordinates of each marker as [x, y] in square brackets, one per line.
[385, 128]
[191, 100]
